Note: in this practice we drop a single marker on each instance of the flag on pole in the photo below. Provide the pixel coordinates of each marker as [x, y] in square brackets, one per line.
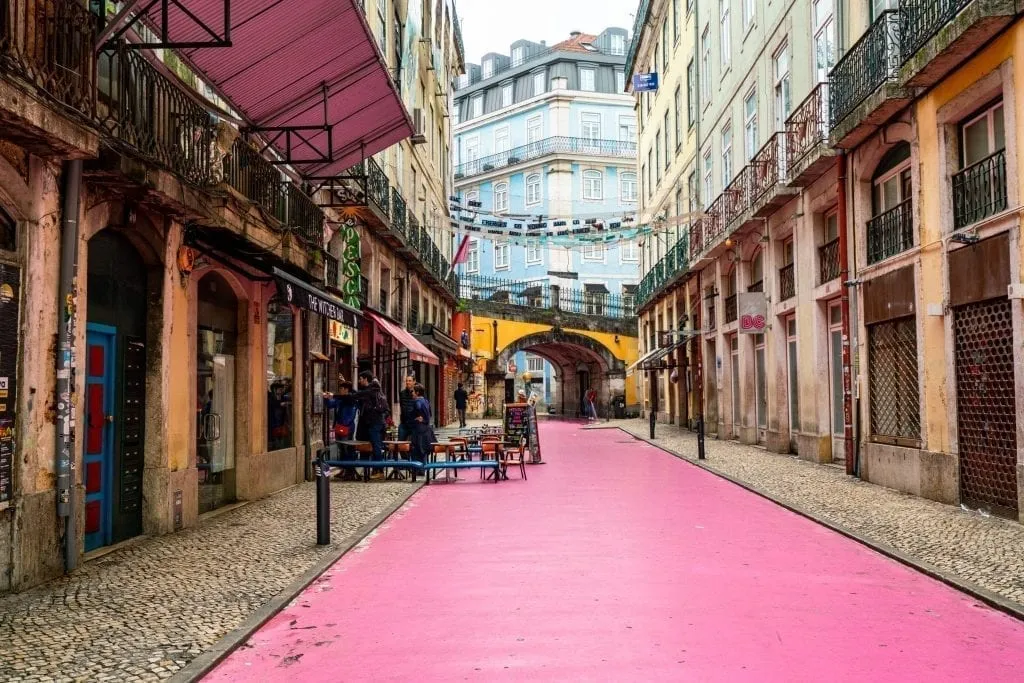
[460, 256]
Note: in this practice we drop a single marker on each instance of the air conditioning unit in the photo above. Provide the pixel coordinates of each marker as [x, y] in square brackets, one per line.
[419, 126]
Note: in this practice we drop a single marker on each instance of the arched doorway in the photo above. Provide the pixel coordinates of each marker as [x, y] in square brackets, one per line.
[115, 390]
[216, 347]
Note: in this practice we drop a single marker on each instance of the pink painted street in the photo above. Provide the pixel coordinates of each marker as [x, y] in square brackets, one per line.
[618, 561]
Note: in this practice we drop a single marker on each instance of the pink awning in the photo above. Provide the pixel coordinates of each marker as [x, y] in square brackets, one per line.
[417, 351]
[283, 52]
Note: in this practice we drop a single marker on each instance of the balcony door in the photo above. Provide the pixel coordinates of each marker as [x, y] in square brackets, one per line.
[835, 376]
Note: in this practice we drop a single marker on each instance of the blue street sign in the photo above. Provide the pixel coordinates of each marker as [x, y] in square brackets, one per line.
[645, 82]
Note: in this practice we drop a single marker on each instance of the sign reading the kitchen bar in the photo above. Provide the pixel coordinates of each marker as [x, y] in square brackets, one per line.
[298, 293]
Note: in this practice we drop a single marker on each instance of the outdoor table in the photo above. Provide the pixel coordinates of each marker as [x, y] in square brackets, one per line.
[350, 446]
[392, 448]
[449, 451]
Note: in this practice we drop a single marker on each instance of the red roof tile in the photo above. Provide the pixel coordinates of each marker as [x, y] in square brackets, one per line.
[575, 44]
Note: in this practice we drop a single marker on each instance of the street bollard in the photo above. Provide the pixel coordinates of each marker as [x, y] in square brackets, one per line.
[700, 438]
[323, 502]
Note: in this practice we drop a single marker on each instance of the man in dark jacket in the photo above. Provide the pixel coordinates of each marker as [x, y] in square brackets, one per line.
[461, 401]
[372, 412]
[406, 403]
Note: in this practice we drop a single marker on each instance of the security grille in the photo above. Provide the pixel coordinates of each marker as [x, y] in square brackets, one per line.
[895, 398]
[986, 418]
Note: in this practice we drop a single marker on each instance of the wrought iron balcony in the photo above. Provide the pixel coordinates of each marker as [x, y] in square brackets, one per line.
[50, 45]
[256, 179]
[979, 191]
[891, 233]
[922, 19]
[304, 217]
[332, 272]
[414, 318]
[546, 147]
[398, 211]
[872, 61]
[712, 320]
[769, 174]
[756, 286]
[731, 310]
[806, 132]
[540, 294]
[153, 118]
[787, 282]
[828, 261]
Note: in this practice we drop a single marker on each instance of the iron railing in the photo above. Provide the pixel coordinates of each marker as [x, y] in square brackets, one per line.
[545, 147]
[50, 46]
[891, 233]
[414, 318]
[756, 286]
[769, 167]
[540, 294]
[377, 186]
[807, 127]
[304, 217]
[144, 110]
[979, 191]
[255, 178]
[922, 19]
[332, 272]
[712, 320]
[364, 292]
[873, 60]
[828, 261]
[731, 308]
[787, 282]
[398, 211]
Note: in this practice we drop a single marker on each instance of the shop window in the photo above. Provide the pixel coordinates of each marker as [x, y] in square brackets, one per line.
[280, 374]
[893, 381]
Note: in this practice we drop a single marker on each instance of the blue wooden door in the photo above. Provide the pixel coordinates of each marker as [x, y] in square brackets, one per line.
[101, 367]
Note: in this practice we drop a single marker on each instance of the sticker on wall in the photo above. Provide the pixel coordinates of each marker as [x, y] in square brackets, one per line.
[6, 293]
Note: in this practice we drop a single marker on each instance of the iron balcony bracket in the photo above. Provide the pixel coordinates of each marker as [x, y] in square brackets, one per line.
[295, 138]
[134, 11]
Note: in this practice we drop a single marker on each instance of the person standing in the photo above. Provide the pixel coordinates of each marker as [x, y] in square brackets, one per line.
[345, 410]
[591, 408]
[461, 402]
[422, 436]
[406, 400]
[373, 412]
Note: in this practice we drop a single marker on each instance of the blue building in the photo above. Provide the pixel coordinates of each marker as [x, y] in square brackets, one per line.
[546, 132]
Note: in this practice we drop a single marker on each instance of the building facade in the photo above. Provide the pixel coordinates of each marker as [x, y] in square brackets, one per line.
[851, 281]
[548, 131]
[166, 325]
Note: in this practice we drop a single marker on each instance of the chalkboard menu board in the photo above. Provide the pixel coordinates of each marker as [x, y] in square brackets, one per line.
[521, 422]
[10, 302]
[6, 459]
[517, 421]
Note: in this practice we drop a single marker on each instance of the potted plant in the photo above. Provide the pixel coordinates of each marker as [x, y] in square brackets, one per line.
[459, 176]
[513, 160]
[488, 167]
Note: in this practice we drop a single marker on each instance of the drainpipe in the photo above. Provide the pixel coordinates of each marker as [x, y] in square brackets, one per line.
[844, 278]
[699, 353]
[66, 329]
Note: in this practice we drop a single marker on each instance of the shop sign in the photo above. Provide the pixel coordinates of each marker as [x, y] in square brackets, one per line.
[10, 278]
[6, 459]
[340, 334]
[752, 311]
[302, 295]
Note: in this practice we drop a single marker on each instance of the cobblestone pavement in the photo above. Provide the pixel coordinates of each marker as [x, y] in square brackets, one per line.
[144, 611]
[985, 551]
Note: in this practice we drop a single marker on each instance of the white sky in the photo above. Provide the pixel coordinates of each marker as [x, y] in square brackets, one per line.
[492, 25]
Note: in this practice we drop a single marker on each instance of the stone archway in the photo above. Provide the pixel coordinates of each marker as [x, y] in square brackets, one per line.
[580, 362]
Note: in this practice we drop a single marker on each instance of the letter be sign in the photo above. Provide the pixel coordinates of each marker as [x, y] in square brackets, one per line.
[752, 322]
[753, 312]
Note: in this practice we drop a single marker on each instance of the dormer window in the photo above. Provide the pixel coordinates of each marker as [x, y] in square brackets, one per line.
[618, 44]
[488, 68]
[518, 54]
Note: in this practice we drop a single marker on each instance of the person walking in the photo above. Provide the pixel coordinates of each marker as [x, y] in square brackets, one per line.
[422, 437]
[591, 407]
[461, 402]
[406, 400]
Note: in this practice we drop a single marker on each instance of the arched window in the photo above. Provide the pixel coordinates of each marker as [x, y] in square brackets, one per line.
[280, 374]
[757, 272]
[627, 187]
[533, 194]
[501, 197]
[891, 181]
[593, 185]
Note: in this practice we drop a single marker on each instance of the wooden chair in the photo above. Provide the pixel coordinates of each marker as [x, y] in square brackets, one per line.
[514, 456]
[364, 451]
[490, 449]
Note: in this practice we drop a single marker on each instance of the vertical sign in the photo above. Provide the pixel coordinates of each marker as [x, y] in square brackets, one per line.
[752, 311]
[10, 301]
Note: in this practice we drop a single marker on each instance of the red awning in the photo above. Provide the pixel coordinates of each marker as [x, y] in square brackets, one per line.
[417, 351]
[282, 54]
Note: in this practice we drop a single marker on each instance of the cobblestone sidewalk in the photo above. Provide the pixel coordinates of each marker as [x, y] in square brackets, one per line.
[985, 551]
[143, 612]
